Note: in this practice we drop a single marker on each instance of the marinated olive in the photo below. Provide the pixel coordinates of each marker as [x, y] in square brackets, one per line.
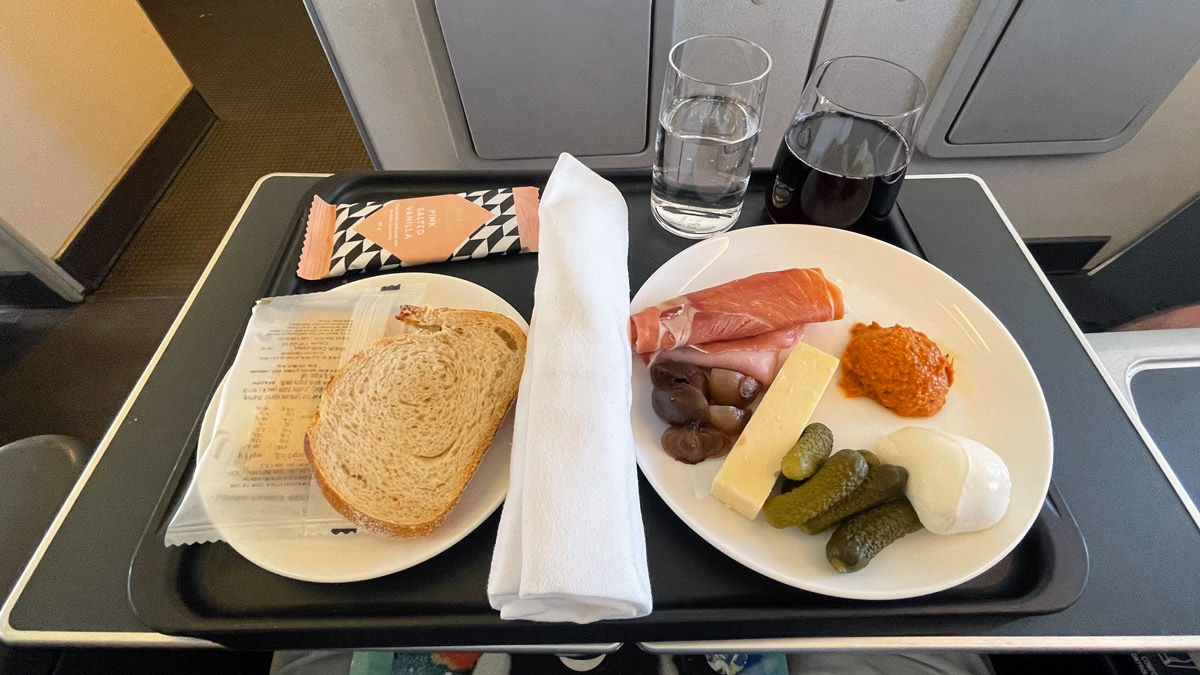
[727, 418]
[680, 404]
[667, 373]
[729, 387]
[694, 443]
[748, 389]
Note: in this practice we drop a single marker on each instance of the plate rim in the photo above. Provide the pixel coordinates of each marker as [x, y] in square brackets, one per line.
[485, 512]
[923, 590]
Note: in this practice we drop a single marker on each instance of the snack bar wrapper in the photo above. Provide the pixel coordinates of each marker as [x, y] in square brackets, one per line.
[373, 236]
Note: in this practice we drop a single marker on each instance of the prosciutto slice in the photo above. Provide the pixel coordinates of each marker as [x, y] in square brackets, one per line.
[759, 356]
[744, 308]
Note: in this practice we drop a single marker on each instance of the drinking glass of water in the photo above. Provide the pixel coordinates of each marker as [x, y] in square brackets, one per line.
[707, 129]
[842, 161]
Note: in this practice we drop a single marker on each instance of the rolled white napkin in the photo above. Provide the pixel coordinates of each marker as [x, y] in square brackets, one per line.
[571, 545]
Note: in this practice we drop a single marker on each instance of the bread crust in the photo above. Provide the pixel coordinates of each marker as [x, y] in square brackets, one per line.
[425, 318]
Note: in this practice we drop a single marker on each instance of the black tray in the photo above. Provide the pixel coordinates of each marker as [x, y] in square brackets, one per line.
[210, 591]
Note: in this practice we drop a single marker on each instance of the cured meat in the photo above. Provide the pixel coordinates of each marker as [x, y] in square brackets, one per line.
[759, 356]
[783, 338]
[761, 365]
[753, 305]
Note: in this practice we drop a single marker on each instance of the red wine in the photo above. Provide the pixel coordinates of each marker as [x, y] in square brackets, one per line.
[837, 170]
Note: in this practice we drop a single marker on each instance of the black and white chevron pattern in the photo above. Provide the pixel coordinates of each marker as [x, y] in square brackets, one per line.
[352, 252]
[499, 235]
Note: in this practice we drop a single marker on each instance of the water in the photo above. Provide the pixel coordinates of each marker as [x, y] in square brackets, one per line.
[837, 170]
[702, 159]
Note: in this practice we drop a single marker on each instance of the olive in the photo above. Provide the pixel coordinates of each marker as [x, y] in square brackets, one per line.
[667, 373]
[680, 404]
[748, 388]
[727, 418]
[729, 387]
[694, 443]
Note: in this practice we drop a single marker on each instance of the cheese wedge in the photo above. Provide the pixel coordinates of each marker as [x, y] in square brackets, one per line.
[749, 472]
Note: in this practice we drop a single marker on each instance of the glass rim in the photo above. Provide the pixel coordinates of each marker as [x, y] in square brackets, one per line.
[923, 99]
[679, 71]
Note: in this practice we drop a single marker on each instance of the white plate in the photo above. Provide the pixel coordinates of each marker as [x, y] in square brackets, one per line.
[364, 555]
[995, 400]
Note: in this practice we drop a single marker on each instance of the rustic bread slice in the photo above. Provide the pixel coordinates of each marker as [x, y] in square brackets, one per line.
[401, 428]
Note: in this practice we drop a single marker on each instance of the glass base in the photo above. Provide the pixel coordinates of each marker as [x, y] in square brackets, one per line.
[692, 222]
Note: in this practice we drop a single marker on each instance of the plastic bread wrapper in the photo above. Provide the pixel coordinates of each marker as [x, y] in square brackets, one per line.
[383, 235]
[252, 478]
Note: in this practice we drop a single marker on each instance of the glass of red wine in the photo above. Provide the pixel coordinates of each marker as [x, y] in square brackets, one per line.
[843, 159]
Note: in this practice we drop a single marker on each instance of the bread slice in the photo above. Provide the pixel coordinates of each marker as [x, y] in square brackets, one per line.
[401, 428]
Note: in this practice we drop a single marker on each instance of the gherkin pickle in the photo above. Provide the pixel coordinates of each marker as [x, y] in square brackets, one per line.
[883, 484]
[836, 479]
[787, 484]
[872, 458]
[858, 540]
[809, 452]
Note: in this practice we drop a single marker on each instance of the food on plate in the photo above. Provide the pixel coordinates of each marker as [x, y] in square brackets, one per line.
[679, 404]
[753, 305]
[728, 418]
[693, 443]
[748, 475]
[729, 387]
[401, 428]
[917, 477]
[786, 484]
[758, 356]
[882, 484]
[699, 430]
[858, 540]
[809, 452]
[899, 367]
[669, 373]
[955, 484]
[844, 489]
[839, 476]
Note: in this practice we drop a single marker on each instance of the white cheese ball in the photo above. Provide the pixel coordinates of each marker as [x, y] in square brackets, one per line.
[955, 484]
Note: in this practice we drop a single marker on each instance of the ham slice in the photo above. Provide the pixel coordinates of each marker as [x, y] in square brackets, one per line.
[784, 338]
[759, 356]
[748, 307]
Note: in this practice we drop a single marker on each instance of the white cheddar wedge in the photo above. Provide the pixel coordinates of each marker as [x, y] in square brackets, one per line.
[749, 472]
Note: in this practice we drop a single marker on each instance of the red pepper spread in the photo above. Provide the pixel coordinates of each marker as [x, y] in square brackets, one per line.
[899, 367]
